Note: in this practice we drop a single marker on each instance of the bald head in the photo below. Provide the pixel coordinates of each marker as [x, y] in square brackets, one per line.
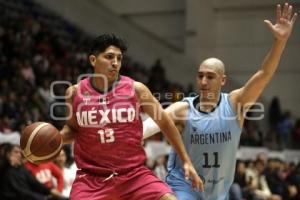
[215, 64]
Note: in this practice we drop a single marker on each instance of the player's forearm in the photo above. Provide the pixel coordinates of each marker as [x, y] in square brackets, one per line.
[173, 136]
[273, 57]
[67, 134]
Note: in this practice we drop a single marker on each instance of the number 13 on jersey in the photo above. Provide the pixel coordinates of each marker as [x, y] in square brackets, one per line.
[106, 135]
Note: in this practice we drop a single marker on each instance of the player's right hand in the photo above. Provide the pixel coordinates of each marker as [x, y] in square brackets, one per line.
[285, 19]
[190, 172]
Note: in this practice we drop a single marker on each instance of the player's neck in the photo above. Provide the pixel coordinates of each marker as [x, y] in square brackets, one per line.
[102, 85]
[208, 104]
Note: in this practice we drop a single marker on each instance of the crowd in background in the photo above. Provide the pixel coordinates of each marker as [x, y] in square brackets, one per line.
[265, 178]
[38, 48]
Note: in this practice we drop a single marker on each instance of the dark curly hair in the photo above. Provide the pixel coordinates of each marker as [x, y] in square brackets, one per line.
[100, 43]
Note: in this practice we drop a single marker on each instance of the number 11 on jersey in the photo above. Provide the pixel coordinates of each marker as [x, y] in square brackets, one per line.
[215, 163]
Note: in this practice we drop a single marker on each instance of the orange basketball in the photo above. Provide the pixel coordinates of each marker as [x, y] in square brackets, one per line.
[40, 142]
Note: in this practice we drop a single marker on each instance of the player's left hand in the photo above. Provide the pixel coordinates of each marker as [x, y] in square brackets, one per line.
[190, 172]
[285, 19]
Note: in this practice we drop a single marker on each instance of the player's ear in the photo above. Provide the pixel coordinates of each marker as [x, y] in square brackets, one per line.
[92, 59]
[224, 79]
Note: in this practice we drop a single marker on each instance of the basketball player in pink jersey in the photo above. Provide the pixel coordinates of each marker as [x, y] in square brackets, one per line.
[106, 127]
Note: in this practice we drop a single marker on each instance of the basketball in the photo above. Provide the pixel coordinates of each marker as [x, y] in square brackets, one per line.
[40, 142]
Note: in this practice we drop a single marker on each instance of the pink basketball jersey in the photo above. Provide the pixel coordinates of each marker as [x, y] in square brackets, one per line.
[110, 128]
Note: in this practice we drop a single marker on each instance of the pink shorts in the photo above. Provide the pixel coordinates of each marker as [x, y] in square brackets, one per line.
[138, 184]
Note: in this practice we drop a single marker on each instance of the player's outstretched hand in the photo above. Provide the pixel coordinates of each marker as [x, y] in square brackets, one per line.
[190, 172]
[285, 19]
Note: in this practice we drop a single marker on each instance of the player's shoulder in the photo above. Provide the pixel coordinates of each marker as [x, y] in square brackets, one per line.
[139, 86]
[71, 90]
[178, 109]
[141, 89]
[235, 97]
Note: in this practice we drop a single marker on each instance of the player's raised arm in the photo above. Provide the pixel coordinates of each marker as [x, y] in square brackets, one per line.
[152, 107]
[281, 30]
[69, 128]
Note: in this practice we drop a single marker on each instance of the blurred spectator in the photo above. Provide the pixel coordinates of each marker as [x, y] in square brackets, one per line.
[48, 174]
[251, 135]
[44, 92]
[27, 73]
[276, 184]
[4, 86]
[40, 64]
[157, 81]
[159, 167]
[259, 189]
[262, 156]
[274, 117]
[16, 181]
[69, 173]
[284, 129]
[296, 134]
[274, 113]
[239, 183]
[11, 106]
[176, 93]
[5, 125]
[294, 179]
[288, 189]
